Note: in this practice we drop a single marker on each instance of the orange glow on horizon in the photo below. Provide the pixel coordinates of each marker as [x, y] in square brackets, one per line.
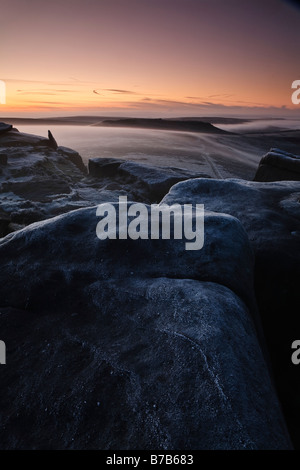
[30, 97]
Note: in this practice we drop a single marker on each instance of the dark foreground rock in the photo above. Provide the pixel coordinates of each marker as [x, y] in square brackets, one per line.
[132, 344]
[277, 165]
[270, 214]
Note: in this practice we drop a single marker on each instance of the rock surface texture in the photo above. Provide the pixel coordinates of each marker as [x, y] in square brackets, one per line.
[132, 344]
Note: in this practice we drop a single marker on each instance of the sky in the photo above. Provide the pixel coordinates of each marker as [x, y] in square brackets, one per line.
[149, 57]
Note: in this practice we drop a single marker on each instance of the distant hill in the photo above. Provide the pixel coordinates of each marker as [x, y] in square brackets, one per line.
[164, 124]
[172, 124]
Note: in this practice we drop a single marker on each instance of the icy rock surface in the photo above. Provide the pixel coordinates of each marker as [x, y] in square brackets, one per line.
[132, 344]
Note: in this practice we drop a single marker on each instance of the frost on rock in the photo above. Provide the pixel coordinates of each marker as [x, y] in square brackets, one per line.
[165, 339]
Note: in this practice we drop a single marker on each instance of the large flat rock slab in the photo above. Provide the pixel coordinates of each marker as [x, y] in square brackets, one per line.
[132, 344]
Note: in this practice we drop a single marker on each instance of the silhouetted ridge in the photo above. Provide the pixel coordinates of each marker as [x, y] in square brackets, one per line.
[165, 124]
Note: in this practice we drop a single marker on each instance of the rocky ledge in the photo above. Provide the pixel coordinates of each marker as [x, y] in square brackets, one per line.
[39, 179]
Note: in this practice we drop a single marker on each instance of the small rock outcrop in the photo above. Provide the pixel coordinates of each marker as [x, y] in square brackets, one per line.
[5, 127]
[36, 181]
[132, 344]
[277, 165]
[52, 141]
